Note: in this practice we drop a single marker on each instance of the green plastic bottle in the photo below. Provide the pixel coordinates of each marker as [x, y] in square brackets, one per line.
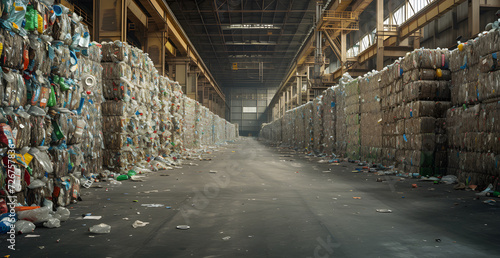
[52, 97]
[30, 19]
[62, 83]
[131, 173]
[122, 177]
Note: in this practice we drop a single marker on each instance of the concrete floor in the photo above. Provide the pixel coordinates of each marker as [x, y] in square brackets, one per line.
[272, 202]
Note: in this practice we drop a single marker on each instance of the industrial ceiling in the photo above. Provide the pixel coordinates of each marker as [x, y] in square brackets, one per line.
[246, 42]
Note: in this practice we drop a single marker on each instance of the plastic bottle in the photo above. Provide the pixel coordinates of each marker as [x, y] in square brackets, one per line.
[31, 19]
[40, 27]
[52, 99]
[122, 177]
[131, 173]
[100, 229]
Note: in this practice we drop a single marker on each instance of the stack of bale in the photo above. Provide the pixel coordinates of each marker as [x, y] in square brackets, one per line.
[298, 123]
[122, 110]
[276, 130]
[166, 125]
[352, 121]
[317, 125]
[371, 116]
[307, 113]
[206, 126]
[328, 108]
[420, 111]
[340, 116]
[391, 86]
[288, 129]
[46, 103]
[190, 123]
[219, 130]
[91, 111]
[473, 125]
[177, 119]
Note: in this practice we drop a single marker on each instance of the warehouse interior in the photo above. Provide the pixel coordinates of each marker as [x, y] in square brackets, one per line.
[252, 128]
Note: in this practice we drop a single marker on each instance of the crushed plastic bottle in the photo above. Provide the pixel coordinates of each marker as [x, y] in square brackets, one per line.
[52, 223]
[122, 177]
[183, 227]
[24, 226]
[100, 229]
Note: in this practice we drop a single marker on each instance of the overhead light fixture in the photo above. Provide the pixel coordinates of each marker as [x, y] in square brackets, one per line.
[246, 26]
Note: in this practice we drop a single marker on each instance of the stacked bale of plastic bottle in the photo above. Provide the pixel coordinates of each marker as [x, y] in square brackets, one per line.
[317, 119]
[220, 130]
[419, 112]
[177, 119]
[352, 115]
[41, 100]
[276, 129]
[206, 126]
[230, 131]
[69, 83]
[153, 143]
[89, 64]
[122, 109]
[299, 128]
[329, 113]
[307, 111]
[266, 132]
[166, 125]
[473, 123]
[371, 116]
[190, 122]
[340, 117]
[288, 129]
[391, 86]
[464, 66]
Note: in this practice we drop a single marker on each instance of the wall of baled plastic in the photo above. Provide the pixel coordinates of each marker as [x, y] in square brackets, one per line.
[433, 112]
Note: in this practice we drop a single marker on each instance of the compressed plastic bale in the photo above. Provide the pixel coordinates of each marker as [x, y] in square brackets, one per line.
[427, 90]
[308, 125]
[60, 160]
[189, 132]
[13, 47]
[426, 58]
[425, 74]
[488, 86]
[487, 44]
[116, 51]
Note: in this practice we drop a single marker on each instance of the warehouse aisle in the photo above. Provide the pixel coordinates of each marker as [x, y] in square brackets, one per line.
[252, 200]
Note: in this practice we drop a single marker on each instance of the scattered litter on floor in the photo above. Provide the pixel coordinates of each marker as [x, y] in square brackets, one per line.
[93, 217]
[490, 201]
[152, 205]
[100, 229]
[357, 198]
[31, 236]
[226, 238]
[151, 191]
[384, 211]
[183, 227]
[212, 171]
[139, 223]
[486, 191]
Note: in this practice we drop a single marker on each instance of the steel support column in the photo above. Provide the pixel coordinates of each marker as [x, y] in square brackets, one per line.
[474, 6]
[380, 38]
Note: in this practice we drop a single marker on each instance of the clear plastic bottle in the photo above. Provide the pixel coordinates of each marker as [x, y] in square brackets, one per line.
[100, 229]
